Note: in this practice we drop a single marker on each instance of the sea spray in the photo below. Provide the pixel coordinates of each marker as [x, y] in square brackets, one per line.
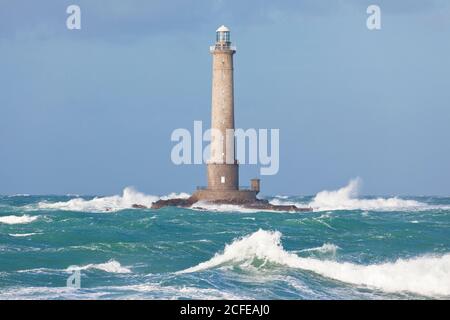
[115, 203]
[346, 198]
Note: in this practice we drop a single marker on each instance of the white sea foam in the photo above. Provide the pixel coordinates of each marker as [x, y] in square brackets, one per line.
[140, 291]
[207, 206]
[111, 266]
[115, 203]
[158, 291]
[175, 195]
[18, 219]
[47, 293]
[325, 248]
[425, 275]
[20, 235]
[284, 202]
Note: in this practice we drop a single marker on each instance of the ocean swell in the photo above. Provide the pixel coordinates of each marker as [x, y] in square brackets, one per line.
[425, 275]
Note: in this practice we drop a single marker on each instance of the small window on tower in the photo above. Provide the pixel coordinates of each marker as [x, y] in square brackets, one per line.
[222, 179]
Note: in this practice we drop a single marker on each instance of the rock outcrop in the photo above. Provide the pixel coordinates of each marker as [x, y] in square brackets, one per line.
[257, 204]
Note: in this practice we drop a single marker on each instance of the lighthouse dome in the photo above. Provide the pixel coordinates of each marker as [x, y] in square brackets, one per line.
[222, 28]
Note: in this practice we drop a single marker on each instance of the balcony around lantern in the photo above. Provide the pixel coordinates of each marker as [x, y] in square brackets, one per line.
[241, 188]
[222, 46]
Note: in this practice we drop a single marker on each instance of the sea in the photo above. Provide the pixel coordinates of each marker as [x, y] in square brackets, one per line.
[349, 247]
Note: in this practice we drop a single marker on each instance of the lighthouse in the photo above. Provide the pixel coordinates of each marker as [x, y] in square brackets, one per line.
[222, 167]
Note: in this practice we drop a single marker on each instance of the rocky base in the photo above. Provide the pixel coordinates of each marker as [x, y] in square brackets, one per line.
[257, 204]
[177, 202]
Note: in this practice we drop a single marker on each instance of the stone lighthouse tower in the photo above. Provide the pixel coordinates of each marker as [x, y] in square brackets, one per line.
[223, 169]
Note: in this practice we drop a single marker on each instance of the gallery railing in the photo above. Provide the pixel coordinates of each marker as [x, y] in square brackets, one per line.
[244, 188]
[222, 47]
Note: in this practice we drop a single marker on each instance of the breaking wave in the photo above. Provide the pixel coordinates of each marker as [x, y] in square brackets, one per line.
[111, 266]
[115, 203]
[17, 219]
[425, 275]
[346, 198]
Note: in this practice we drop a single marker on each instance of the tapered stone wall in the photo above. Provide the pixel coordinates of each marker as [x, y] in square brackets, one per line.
[223, 172]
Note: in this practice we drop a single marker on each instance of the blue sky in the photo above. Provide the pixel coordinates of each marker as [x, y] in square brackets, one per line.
[91, 111]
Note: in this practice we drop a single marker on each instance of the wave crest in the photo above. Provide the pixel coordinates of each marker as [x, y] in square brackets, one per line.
[111, 266]
[426, 275]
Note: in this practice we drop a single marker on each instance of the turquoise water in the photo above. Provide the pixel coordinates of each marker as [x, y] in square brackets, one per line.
[348, 248]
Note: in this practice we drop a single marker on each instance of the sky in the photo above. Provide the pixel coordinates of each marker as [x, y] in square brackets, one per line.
[91, 111]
